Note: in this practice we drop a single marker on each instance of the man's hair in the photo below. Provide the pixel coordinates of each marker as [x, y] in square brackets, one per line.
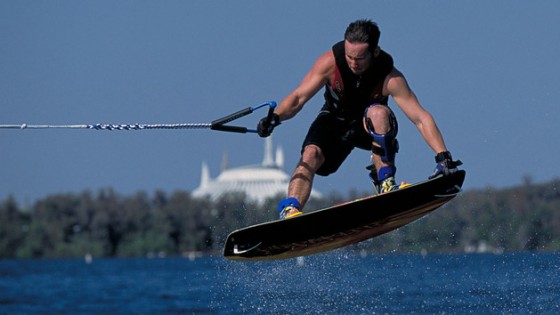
[363, 31]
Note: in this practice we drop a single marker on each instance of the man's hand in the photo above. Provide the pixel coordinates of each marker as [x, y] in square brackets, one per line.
[267, 124]
[445, 165]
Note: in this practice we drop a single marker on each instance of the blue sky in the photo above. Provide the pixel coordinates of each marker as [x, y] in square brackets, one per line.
[486, 70]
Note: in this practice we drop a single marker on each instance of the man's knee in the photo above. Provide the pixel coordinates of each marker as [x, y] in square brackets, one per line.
[378, 119]
[313, 157]
[381, 124]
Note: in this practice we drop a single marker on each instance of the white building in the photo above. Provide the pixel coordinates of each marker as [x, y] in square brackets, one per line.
[258, 182]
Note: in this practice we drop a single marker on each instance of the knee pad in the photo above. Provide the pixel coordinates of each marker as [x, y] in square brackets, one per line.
[388, 146]
[388, 143]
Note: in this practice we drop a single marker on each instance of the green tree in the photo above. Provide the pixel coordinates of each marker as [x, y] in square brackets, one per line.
[13, 226]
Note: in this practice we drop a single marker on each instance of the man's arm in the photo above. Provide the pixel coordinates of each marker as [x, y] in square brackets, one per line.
[313, 81]
[398, 88]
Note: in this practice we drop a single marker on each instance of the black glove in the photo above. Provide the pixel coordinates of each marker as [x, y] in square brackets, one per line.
[445, 165]
[267, 124]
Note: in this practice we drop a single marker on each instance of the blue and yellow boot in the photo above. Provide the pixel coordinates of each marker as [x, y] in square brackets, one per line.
[384, 179]
[289, 208]
[387, 185]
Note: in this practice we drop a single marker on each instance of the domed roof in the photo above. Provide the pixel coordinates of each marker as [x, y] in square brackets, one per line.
[258, 182]
[253, 173]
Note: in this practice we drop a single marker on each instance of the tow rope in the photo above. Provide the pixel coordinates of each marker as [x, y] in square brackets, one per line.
[218, 124]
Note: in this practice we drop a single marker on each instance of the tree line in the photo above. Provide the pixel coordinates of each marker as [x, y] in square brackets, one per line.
[108, 224]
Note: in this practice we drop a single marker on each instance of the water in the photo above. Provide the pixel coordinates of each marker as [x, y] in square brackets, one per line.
[334, 283]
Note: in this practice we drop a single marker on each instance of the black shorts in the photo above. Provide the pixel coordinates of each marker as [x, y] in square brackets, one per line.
[337, 138]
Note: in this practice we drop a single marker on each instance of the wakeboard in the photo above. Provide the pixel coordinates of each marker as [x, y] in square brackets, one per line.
[343, 224]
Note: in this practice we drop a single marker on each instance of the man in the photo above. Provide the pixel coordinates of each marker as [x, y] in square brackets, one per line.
[358, 78]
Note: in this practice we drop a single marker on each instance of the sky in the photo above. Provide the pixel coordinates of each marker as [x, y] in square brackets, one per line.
[486, 70]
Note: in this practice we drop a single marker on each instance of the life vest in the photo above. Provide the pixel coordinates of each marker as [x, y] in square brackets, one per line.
[348, 95]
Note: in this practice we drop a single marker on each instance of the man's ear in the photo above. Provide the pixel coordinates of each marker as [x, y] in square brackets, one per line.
[376, 51]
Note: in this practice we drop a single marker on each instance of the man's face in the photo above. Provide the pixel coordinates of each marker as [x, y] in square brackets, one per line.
[357, 56]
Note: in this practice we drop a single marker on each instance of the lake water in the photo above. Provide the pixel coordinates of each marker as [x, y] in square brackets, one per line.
[340, 282]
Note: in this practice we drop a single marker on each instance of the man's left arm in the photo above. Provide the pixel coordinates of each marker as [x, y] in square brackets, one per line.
[405, 98]
[407, 101]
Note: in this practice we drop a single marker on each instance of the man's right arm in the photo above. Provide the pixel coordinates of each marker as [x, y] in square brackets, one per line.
[313, 81]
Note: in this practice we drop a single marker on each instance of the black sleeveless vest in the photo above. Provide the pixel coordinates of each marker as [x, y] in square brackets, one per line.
[349, 94]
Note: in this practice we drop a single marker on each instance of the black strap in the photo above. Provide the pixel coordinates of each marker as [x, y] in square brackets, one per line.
[442, 156]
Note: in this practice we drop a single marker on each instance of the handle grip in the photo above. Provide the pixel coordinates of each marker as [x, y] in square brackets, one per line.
[232, 117]
[270, 112]
[219, 124]
[230, 128]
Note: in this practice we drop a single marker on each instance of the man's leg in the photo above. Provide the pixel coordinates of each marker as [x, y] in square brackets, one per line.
[323, 152]
[380, 122]
[302, 178]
